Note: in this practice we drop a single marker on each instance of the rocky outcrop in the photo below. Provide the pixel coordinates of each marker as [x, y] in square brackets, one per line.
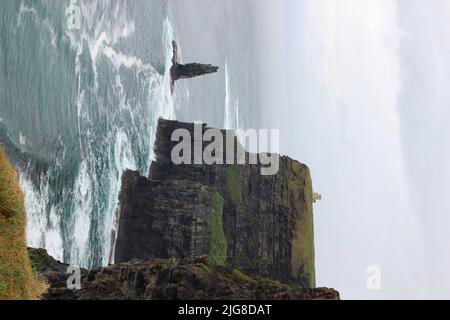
[169, 219]
[267, 220]
[181, 279]
[54, 271]
[220, 231]
[191, 70]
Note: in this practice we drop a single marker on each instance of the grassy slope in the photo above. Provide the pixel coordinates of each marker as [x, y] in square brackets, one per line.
[303, 256]
[17, 280]
[233, 180]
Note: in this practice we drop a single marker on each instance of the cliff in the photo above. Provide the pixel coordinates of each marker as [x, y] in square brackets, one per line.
[181, 279]
[267, 220]
[165, 219]
[202, 232]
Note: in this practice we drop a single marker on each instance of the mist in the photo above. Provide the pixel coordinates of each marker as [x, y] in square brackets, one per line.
[359, 91]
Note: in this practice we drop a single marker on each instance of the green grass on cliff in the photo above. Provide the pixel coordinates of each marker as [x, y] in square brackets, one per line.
[233, 178]
[17, 280]
[303, 255]
[240, 276]
[218, 251]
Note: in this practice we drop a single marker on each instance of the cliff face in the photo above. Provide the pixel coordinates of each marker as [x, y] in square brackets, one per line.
[181, 279]
[166, 219]
[184, 71]
[191, 70]
[267, 220]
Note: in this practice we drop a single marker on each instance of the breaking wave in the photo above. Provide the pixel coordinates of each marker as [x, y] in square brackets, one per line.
[119, 99]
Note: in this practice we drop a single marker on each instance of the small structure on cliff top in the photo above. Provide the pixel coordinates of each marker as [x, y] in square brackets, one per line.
[190, 70]
[316, 197]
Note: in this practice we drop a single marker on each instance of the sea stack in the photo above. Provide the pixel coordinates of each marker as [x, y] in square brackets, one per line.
[190, 70]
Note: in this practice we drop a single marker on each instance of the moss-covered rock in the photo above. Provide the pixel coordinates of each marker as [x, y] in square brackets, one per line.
[194, 278]
[302, 256]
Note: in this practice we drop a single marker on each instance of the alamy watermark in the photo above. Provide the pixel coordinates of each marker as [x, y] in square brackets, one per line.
[74, 280]
[222, 148]
[374, 277]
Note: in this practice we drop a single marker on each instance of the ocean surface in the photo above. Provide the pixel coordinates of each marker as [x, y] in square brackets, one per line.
[79, 106]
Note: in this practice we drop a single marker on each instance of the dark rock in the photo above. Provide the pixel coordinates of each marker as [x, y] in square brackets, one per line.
[267, 220]
[190, 70]
[185, 279]
[168, 219]
[52, 270]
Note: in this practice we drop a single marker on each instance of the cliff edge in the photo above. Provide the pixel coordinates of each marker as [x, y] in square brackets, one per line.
[267, 221]
[172, 279]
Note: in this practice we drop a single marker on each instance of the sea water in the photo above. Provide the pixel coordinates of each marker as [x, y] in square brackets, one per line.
[79, 106]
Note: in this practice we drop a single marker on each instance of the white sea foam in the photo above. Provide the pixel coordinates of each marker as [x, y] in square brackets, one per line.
[123, 159]
[126, 142]
[43, 230]
[231, 111]
[161, 94]
[45, 22]
[227, 113]
[167, 101]
[97, 44]
[231, 108]
[81, 215]
[22, 139]
[23, 10]
[119, 59]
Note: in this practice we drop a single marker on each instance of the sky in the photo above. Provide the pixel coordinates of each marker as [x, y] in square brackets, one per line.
[359, 89]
